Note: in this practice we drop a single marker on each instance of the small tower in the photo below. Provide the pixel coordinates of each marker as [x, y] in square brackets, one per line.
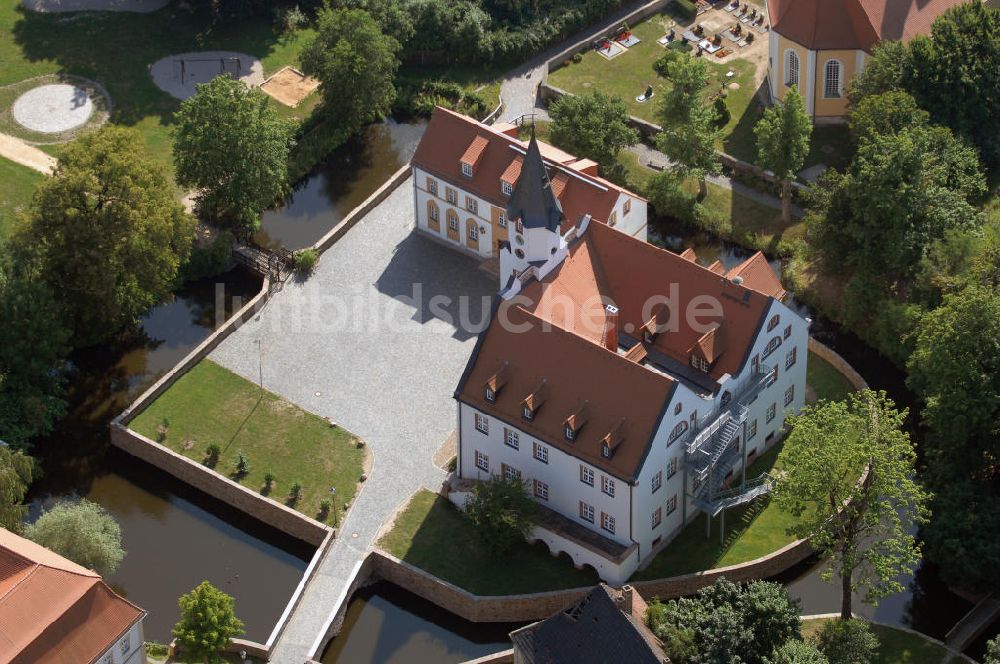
[535, 216]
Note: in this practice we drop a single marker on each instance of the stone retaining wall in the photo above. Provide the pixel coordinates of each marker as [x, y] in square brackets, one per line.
[839, 363]
[355, 215]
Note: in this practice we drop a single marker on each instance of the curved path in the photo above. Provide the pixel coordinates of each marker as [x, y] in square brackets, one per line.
[27, 155]
[352, 343]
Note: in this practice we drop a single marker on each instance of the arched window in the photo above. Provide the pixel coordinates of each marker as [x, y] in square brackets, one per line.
[473, 230]
[433, 213]
[791, 68]
[772, 346]
[831, 79]
[452, 220]
[678, 431]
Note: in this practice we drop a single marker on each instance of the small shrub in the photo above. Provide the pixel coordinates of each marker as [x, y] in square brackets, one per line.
[305, 260]
[722, 114]
[848, 642]
[156, 649]
[242, 465]
[797, 652]
[295, 492]
[324, 509]
[290, 19]
[578, 57]
[269, 480]
[212, 454]
[685, 9]
[162, 430]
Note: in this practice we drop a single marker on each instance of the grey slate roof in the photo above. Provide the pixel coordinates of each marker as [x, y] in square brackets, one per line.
[533, 201]
[592, 631]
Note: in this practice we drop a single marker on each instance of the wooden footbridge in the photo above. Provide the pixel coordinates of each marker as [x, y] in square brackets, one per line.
[275, 264]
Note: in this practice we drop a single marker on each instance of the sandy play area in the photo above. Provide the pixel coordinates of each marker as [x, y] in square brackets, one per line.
[177, 75]
[289, 86]
[55, 6]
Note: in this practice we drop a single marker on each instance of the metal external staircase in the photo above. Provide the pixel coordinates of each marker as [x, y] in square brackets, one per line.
[714, 451]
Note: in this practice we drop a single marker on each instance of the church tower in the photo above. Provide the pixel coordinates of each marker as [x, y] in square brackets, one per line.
[535, 216]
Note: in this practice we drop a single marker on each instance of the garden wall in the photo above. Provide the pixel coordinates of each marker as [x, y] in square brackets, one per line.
[839, 363]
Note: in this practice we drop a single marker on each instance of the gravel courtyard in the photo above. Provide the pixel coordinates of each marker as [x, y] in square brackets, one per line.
[352, 343]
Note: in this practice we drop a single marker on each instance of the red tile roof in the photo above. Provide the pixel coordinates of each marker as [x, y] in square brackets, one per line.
[52, 611]
[563, 349]
[450, 136]
[757, 274]
[853, 24]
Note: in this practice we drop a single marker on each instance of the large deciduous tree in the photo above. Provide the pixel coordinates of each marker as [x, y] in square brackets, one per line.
[16, 472]
[887, 113]
[356, 65]
[231, 147]
[783, 142]
[594, 126]
[105, 234]
[501, 512]
[208, 621]
[83, 532]
[689, 127]
[901, 193]
[848, 477]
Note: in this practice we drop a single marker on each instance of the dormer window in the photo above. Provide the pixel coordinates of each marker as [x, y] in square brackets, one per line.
[570, 433]
[491, 395]
[699, 363]
[466, 170]
[605, 450]
[528, 413]
[506, 187]
[575, 422]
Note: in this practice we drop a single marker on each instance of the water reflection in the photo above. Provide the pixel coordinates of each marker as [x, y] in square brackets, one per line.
[385, 624]
[338, 185]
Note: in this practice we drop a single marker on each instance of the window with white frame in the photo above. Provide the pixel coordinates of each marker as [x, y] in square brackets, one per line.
[435, 213]
[527, 412]
[482, 423]
[452, 220]
[789, 394]
[699, 363]
[679, 430]
[586, 475]
[771, 346]
[512, 438]
[541, 452]
[790, 357]
[510, 473]
[482, 461]
[473, 232]
[541, 490]
[831, 85]
[432, 186]
[791, 68]
[506, 187]
[502, 219]
[657, 517]
[608, 522]
[752, 431]
[672, 468]
[773, 323]
[451, 195]
[490, 394]
[466, 170]
[656, 482]
[770, 412]
[608, 485]
[586, 512]
[772, 377]
[672, 504]
[471, 204]
[569, 432]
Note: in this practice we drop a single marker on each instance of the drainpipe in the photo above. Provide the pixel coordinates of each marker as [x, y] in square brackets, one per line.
[458, 429]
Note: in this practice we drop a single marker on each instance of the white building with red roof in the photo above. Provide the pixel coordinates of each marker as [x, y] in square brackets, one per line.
[53, 611]
[629, 387]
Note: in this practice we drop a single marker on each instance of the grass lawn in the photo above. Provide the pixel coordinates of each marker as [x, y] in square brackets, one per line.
[896, 646]
[116, 49]
[752, 530]
[17, 185]
[432, 534]
[210, 405]
[627, 75]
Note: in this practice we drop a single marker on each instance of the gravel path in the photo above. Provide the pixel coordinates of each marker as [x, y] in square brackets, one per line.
[387, 375]
[27, 155]
[59, 6]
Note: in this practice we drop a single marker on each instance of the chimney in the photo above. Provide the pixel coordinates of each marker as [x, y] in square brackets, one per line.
[627, 594]
[610, 336]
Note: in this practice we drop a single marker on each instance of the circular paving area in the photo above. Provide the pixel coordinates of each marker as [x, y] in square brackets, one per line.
[54, 108]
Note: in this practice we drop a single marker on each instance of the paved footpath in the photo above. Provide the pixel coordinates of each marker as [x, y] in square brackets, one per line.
[387, 375]
[27, 155]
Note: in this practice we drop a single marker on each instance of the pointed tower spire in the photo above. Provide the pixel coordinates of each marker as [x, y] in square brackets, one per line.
[533, 202]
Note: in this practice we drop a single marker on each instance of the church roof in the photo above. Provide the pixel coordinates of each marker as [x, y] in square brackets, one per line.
[853, 24]
[534, 201]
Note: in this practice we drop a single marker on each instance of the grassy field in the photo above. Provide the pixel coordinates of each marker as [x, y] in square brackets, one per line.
[752, 530]
[17, 185]
[432, 534]
[896, 646]
[116, 49]
[212, 405]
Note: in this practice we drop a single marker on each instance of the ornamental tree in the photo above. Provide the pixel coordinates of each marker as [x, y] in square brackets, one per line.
[231, 147]
[847, 478]
[593, 125]
[16, 472]
[689, 129]
[849, 641]
[208, 621]
[501, 512]
[795, 651]
[81, 531]
[783, 143]
[105, 233]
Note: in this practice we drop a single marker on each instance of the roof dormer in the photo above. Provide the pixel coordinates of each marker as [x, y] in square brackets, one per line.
[496, 382]
[575, 422]
[534, 401]
[613, 440]
[470, 158]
